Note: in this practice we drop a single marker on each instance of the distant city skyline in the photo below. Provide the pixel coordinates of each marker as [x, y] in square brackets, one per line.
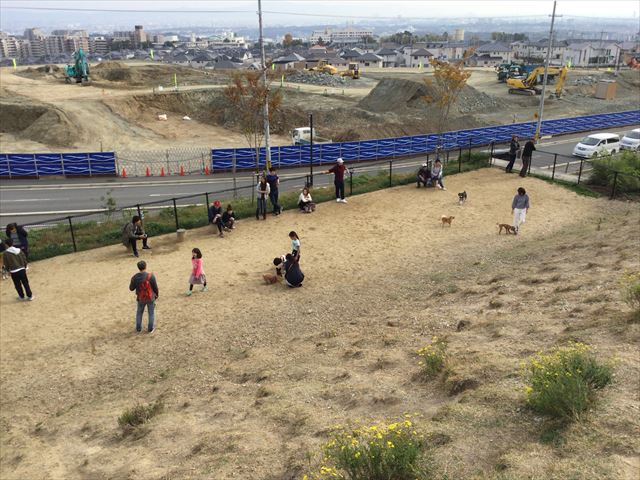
[241, 13]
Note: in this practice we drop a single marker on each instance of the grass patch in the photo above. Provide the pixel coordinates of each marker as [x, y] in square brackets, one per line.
[628, 166]
[579, 189]
[563, 383]
[139, 415]
[630, 288]
[433, 358]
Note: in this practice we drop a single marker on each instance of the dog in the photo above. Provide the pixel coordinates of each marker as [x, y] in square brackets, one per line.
[5, 273]
[444, 219]
[507, 228]
[462, 197]
[270, 279]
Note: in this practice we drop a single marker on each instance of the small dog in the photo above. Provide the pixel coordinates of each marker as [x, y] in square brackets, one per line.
[5, 273]
[462, 197]
[507, 228]
[444, 219]
[270, 279]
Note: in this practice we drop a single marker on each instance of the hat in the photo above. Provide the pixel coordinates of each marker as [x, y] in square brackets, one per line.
[425, 164]
[340, 160]
[216, 203]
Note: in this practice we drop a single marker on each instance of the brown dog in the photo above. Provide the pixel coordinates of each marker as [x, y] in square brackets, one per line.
[270, 279]
[444, 219]
[507, 228]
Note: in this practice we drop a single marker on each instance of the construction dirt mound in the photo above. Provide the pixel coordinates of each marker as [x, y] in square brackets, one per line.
[393, 94]
[38, 122]
[42, 72]
[120, 75]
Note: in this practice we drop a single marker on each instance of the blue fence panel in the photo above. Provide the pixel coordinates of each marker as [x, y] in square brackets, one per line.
[222, 158]
[4, 165]
[350, 150]
[330, 152]
[75, 164]
[22, 165]
[368, 150]
[50, 164]
[69, 164]
[102, 163]
[290, 156]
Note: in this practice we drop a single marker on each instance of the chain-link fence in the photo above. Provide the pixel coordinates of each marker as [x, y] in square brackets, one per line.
[173, 161]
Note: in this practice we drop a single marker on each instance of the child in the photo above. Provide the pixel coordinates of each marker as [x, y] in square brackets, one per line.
[305, 202]
[295, 244]
[279, 263]
[263, 190]
[197, 273]
[228, 218]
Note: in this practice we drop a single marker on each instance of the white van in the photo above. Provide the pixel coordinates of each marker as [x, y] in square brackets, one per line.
[631, 140]
[597, 144]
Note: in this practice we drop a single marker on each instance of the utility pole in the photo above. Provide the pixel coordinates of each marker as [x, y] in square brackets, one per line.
[536, 137]
[267, 139]
[311, 150]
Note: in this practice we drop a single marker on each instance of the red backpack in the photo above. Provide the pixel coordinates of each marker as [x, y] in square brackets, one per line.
[145, 292]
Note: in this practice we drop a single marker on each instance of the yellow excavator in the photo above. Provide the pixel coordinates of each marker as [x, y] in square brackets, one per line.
[528, 85]
[324, 67]
[352, 71]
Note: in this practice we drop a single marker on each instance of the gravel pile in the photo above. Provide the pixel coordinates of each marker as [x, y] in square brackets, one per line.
[322, 79]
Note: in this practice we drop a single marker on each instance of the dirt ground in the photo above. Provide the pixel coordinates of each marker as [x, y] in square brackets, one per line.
[252, 376]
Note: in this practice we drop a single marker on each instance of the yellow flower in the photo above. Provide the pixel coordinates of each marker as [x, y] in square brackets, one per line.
[356, 455]
[390, 445]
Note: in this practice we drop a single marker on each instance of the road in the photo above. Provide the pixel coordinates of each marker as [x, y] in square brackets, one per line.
[29, 201]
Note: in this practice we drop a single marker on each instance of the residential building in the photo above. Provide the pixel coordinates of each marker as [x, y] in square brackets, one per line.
[495, 50]
[390, 57]
[349, 35]
[592, 54]
[369, 60]
[99, 45]
[536, 52]
[417, 57]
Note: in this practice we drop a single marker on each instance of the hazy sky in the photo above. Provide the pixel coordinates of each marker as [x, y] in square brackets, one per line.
[327, 11]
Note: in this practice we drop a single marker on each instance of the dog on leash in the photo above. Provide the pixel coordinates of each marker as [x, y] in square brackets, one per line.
[462, 197]
[445, 219]
[507, 228]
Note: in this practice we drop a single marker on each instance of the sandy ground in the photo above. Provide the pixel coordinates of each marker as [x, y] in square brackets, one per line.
[252, 376]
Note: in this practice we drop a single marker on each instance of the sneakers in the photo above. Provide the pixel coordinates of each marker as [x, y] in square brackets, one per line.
[136, 255]
[152, 330]
[138, 331]
[439, 187]
[343, 200]
[146, 248]
[20, 299]
[205, 289]
[31, 298]
[221, 235]
[338, 200]
[444, 189]
[189, 293]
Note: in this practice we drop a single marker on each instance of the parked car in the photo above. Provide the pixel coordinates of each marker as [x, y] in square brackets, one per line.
[597, 144]
[631, 140]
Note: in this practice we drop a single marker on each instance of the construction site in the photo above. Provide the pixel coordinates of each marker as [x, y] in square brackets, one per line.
[125, 105]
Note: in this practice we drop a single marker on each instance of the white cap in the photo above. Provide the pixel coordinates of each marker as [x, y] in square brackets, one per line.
[340, 160]
[425, 164]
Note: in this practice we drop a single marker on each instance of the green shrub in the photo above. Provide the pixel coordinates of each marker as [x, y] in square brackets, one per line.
[432, 358]
[138, 415]
[563, 383]
[379, 452]
[627, 163]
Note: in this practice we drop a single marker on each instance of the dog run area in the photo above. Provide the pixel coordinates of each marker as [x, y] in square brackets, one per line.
[253, 376]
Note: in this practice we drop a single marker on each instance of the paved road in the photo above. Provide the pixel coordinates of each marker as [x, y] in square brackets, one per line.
[28, 201]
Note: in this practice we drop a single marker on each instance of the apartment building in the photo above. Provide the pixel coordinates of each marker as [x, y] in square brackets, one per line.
[342, 36]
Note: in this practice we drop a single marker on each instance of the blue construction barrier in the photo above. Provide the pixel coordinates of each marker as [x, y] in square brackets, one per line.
[291, 156]
[68, 164]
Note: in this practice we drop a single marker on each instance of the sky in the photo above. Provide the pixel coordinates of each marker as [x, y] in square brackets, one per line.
[235, 13]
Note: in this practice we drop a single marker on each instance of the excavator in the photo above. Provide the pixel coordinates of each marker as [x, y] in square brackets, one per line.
[528, 85]
[324, 67]
[79, 71]
[352, 71]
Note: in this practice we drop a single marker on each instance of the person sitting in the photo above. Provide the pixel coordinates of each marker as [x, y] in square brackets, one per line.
[305, 202]
[215, 216]
[228, 218]
[423, 176]
[293, 276]
[131, 235]
[436, 175]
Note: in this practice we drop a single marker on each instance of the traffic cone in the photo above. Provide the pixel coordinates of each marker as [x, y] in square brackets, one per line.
[181, 171]
[162, 172]
[206, 169]
[148, 175]
[124, 173]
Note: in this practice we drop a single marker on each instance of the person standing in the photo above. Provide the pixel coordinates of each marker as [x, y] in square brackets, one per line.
[146, 287]
[19, 236]
[514, 150]
[529, 147]
[295, 244]
[15, 260]
[263, 192]
[131, 233]
[197, 272]
[338, 171]
[519, 208]
[274, 182]
[215, 216]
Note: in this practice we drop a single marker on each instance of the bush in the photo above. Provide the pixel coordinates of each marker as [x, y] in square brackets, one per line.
[627, 163]
[432, 358]
[563, 383]
[630, 284]
[379, 452]
[138, 415]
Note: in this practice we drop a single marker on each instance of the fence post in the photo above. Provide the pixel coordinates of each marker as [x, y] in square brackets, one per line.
[459, 159]
[206, 198]
[89, 160]
[580, 172]
[167, 159]
[202, 157]
[73, 237]
[139, 211]
[491, 154]
[61, 164]
[253, 190]
[447, 157]
[553, 172]
[390, 171]
[613, 188]
[469, 153]
[35, 163]
[350, 181]
[175, 211]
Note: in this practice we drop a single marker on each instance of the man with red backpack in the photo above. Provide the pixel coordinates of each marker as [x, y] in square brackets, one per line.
[146, 288]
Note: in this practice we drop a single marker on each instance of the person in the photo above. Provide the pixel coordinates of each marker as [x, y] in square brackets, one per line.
[15, 260]
[19, 236]
[529, 147]
[132, 232]
[141, 233]
[5, 272]
[423, 176]
[338, 171]
[279, 264]
[295, 244]
[436, 174]
[146, 287]
[305, 202]
[274, 181]
[215, 216]
[514, 150]
[263, 192]
[293, 276]
[228, 218]
[519, 208]
[197, 272]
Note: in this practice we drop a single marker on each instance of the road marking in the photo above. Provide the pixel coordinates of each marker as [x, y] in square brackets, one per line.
[34, 200]
[169, 194]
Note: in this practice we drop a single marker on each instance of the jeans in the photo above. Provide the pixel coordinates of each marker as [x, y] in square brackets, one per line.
[134, 244]
[438, 181]
[525, 166]
[339, 189]
[151, 307]
[273, 196]
[512, 160]
[19, 280]
[262, 207]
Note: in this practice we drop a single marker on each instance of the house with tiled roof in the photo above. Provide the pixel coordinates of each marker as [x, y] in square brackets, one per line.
[496, 50]
[390, 57]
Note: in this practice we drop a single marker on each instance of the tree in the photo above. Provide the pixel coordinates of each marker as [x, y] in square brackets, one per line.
[286, 41]
[320, 41]
[448, 81]
[247, 94]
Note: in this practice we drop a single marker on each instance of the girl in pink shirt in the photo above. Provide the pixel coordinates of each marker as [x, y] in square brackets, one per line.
[197, 272]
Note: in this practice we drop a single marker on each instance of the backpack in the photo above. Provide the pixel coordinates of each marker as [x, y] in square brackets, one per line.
[145, 292]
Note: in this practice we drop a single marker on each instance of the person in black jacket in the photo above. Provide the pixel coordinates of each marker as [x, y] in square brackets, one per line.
[529, 147]
[215, 216]
[424, 175]
[19, 237]
[293, 276]
[514, 149]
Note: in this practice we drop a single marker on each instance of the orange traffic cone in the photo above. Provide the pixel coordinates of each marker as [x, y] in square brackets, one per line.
[148, 172]
[181, 171]
[162, 172]
[124, 173]
[206, 169]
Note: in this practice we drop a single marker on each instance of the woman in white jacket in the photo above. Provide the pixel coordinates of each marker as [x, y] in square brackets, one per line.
[305, 202]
